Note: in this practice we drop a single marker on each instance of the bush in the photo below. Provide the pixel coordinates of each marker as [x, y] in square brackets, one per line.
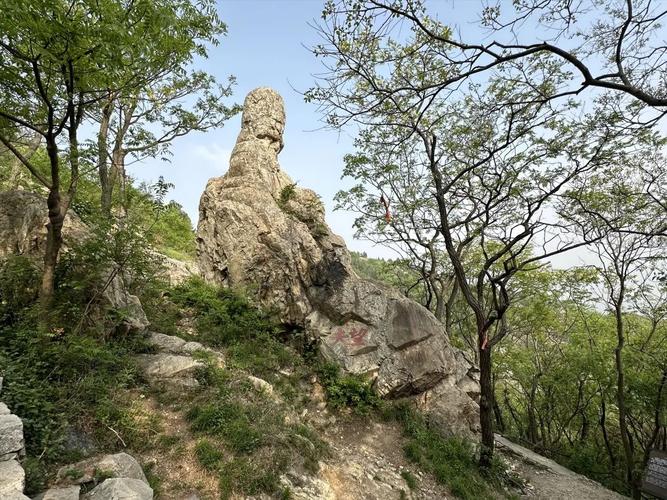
[352, 391]
[58, 376]
[226, 318]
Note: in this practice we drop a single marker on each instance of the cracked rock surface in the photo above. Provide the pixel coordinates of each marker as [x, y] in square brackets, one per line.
[258, 230]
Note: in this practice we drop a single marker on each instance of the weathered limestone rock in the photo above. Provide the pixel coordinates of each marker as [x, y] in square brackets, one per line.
[121, 488]
[166, 343]
[177, 271]
[11, 434]
[120, 465]
[69, 493]
[176, 345]
[23, 219]
[170, 369]
[257, 230]
[116, 294]
[12, 479]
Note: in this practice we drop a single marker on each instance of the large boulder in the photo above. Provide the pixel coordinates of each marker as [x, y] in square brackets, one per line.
[11, 435]
[258, 231]
[12, 479]
[121, 488]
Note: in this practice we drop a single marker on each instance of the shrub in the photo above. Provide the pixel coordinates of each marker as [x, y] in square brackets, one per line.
[353, 391]
[60, 375]
[226, 318]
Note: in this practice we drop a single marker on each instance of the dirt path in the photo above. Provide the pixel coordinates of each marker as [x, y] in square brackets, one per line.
[369, 464]
[548, 480]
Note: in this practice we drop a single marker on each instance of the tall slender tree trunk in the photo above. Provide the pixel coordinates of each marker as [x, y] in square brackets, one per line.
[497, 411]
[486, 405]
[605, 434]
[620, 399]
[54, 228]
[102, 162]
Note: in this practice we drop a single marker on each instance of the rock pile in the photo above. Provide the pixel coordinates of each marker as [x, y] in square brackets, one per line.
[173, 366]
[118, 476]
[12, 475]
[259, 231]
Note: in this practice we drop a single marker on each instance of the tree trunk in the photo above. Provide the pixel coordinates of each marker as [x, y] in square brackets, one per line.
[605, 434]
[497, 411]
[54, 242]
[620, 401]
[102, 151]
[486, 406]
[532, 421]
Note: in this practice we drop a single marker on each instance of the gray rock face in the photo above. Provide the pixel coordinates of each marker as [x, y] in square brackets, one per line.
[121, 488]
[170, 370]
[119, 299]
[120, 465]
[12, 479]
[11, 434]
[69, 493]
[258, 231]
[177, 271]
[23, 218]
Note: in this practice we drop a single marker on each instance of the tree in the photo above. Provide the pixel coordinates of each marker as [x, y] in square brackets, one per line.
[624, 257]
[613, 46]
[144, 121]
[61, 59]
[500, 158]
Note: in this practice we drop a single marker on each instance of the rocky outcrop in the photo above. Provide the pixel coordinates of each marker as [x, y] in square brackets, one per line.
[23, 219]
[120, 489]
[257, 230]
[118, 465]
[177, 271]
[67, 493]
[173, 366]
[122, 478]
[12, 475]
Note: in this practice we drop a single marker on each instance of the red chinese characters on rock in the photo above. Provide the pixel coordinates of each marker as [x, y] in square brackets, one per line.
[353, 337]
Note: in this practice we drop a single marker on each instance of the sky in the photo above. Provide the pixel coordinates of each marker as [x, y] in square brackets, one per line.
[267, 45]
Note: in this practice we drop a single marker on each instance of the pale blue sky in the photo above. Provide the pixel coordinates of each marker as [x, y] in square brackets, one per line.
[266, 46]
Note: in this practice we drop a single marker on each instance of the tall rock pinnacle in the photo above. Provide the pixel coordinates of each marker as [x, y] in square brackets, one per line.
[257, 230]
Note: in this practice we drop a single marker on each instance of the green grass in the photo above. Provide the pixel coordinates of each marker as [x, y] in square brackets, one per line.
[410, 480]
[248, 441]
[209, 455]
[451, 460]
[244, 436]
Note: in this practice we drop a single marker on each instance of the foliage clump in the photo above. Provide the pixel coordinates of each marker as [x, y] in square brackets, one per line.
[347, 390]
